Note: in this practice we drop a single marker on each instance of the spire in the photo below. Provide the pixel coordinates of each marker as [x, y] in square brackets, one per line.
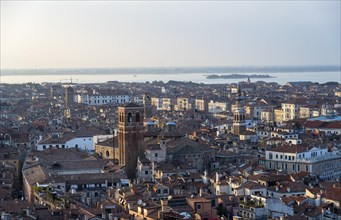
[239, 97]
[238, 90]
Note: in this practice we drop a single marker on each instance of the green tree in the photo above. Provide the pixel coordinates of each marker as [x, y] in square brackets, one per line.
[221, 210]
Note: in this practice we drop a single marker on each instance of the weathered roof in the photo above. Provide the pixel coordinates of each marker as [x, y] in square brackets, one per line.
[291, 148]
[132, 105]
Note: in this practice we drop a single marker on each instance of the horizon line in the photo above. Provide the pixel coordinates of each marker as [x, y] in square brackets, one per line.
[184, 67]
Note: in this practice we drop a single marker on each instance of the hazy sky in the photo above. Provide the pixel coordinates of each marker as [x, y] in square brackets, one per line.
[59, 34]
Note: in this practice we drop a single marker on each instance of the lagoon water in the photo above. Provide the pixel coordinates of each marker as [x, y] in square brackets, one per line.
[280, 77]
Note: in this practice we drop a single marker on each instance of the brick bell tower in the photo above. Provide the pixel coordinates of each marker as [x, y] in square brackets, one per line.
[239, 123]
[130, 136]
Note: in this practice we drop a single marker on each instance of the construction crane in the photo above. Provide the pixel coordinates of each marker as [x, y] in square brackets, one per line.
[68, 81]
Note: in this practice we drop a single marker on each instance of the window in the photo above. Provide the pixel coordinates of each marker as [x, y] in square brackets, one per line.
[130, 117]
[137, 117]
[146, 172]
[286, 157]
[199, 206]
[155, 154]
[76, 146]
[44, 147]
[165, 191]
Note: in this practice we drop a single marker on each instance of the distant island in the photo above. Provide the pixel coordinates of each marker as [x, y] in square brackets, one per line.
[239, 76]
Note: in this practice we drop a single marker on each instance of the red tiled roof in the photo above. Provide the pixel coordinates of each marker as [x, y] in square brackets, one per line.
[322, 124]
[333, 193]
[333, 125]
[291, 148]
[313, 124]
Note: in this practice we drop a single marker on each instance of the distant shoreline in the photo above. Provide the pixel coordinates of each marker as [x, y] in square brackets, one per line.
[172, 70]
[239, 76]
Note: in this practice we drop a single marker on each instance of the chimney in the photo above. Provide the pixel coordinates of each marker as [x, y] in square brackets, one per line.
[216, 177]
[318, 200]
[103, 211]
[205, 179]
[73, 191]
[164, 205]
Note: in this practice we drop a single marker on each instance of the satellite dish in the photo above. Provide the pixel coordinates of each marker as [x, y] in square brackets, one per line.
[139, 202]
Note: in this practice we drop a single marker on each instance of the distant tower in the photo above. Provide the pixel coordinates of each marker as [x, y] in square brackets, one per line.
[69, 97]
[130, 136]
[147, 102]
[53, 91]
[239, 124]
[248, 80]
